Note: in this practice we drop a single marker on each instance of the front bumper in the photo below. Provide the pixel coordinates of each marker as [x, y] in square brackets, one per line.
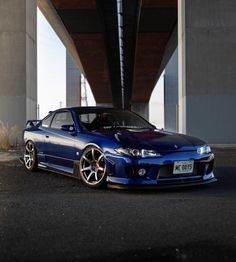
[122, 172]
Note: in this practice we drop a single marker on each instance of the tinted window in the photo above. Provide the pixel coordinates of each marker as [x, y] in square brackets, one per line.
[86, 120]
[47, 121]
[62, 118]
[114, 119]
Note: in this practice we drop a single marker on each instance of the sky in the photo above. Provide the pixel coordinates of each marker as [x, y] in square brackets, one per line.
[52, 76]
[51, 68]
[156, 104]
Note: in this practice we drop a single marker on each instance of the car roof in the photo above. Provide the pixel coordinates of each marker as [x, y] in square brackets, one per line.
[87, 109]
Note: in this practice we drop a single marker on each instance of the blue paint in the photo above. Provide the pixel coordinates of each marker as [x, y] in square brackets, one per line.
[58, 150]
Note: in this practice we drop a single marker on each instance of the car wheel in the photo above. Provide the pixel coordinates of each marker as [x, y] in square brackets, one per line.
[30, 156]
[92, 167]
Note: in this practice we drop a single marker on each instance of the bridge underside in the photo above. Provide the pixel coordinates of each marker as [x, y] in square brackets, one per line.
[93, 26]
[201, 104]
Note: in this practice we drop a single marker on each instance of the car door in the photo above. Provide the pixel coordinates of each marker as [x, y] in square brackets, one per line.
[61, 142]
[42, 142]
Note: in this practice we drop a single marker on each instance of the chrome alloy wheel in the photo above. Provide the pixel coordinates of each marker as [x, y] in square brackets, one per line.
[93, 167]
[30, 156]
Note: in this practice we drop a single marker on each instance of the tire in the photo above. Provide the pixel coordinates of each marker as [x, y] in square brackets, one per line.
[92, 167]
[30, 156]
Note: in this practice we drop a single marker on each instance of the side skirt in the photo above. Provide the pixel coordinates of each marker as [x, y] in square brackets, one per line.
[74, 174]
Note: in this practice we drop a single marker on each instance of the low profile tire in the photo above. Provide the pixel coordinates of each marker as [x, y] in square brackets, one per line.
[92, 167]
[30, 156]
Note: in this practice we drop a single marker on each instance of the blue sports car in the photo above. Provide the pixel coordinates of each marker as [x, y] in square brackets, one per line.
[117, 148]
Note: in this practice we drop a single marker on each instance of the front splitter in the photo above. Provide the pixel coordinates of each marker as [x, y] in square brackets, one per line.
[162, 186]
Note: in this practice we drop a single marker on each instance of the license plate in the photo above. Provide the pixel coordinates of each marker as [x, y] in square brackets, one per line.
[183, 167]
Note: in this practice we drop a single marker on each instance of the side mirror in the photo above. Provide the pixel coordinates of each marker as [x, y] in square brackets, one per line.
[68, 128]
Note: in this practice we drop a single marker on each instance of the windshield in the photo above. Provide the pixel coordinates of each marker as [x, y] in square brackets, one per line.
[112, 119]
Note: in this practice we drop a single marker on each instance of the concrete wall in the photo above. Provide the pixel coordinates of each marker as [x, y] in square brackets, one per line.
[104, 104]
[207, 69]
[18, 63]
[73, 82]
[171, 93]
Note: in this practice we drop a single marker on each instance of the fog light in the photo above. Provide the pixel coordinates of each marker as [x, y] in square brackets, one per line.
[141, 171]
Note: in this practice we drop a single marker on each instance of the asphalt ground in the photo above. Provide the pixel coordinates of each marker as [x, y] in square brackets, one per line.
[49, 217]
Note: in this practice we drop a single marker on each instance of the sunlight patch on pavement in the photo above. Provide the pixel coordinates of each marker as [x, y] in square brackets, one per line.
[9, 156]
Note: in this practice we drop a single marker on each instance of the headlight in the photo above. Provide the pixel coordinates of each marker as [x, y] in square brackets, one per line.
[137, 152]
[204, 150]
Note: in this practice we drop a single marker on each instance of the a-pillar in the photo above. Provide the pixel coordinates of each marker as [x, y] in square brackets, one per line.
[141, 109]
[73, 82]
[207, 69]
[18, 62]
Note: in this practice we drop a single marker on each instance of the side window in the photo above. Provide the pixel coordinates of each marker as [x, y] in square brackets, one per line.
[86, 120]
[62, 118]
[47, 121]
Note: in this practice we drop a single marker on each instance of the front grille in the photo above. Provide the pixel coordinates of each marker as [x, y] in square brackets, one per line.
[167, 171]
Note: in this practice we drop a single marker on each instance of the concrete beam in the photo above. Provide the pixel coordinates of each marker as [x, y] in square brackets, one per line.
[18, 63]
[207, 93]
[73, 82]
[54, 19]
[105, 104]
[169, 50]
[171, 93]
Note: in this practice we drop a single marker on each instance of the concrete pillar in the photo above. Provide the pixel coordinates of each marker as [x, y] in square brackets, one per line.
[18, 61]
[171, 93]
[207, 66]
[73, 82]
[141, 109]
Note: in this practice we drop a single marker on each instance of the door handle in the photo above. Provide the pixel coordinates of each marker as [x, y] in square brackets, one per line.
[47, 136]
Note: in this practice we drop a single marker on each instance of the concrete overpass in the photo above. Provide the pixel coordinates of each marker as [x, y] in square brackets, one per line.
[122, 50]
[117, 58]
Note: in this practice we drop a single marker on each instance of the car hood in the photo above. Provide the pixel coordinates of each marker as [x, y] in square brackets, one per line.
[153, 139]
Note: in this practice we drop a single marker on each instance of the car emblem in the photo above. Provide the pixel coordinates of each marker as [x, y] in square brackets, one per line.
[175, 146]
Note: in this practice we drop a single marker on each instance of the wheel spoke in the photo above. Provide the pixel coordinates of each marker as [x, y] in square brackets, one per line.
[90, 175]
[96, 176]
[100, 158]
[28, 160]
[93, 155]
[86, 168]
[29, 148]
[101, 169]
[87, 160]
[26, 156]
